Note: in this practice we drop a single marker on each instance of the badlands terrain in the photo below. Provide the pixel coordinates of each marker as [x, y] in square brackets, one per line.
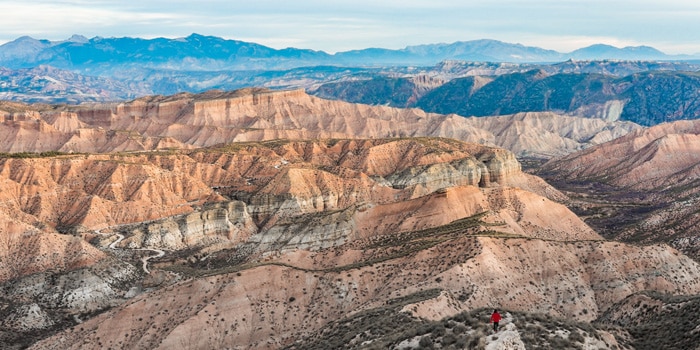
[642, 187]
[265, 220]
[188, 121]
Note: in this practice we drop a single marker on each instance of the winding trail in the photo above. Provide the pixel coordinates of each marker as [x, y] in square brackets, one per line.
[159, 253]
[120, 238]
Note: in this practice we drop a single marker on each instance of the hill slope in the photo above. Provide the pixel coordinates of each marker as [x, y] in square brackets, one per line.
[646, 98]
[213, 211]
[648, 176]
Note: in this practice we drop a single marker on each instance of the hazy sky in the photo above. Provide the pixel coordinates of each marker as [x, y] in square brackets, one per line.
[672, 26]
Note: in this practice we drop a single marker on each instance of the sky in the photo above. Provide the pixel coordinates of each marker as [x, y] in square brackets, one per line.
[673, 26]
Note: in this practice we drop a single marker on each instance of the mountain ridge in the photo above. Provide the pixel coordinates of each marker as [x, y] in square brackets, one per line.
[211, 52]
[648, 176]
[646, 98]
[188, 120]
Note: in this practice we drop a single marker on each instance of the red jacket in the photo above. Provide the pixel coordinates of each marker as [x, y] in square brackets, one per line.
[495, 317]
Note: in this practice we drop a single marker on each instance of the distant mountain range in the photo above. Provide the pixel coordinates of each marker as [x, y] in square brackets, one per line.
[646, 98]
[480, 77]
[198, 52]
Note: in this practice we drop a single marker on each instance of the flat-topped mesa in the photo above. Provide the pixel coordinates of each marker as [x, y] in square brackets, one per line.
[28, 116]
[245, 96]
[211, 112]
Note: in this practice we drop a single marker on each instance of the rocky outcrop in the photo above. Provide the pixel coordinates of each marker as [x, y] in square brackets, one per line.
[220, 225]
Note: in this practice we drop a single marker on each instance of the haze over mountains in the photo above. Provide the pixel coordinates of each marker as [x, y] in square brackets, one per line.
[441, 78]
[194, 53]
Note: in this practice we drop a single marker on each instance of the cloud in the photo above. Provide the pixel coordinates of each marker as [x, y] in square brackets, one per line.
[48, 20]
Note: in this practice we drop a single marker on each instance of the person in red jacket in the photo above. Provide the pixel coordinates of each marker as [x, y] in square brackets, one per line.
[495, 318]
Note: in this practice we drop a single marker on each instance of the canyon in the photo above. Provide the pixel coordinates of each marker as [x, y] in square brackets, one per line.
[266, 220]
[649, 176]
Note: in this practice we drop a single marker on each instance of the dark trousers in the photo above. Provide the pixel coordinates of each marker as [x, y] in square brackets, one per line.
[495, 326]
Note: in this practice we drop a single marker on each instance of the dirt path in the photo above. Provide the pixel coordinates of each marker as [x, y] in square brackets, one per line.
[159, 253]
[120, 238]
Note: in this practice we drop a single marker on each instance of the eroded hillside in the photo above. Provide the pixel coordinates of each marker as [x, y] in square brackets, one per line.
[640, 187]
[262, 244]
[212, 118]
[257, 219]
[289, 296]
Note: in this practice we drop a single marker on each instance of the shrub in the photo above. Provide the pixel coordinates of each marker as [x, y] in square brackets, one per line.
[576, 337]
[448, 339]
[438, 331]
[426, 342]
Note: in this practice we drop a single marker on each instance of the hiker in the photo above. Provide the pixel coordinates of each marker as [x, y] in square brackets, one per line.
[495, 318]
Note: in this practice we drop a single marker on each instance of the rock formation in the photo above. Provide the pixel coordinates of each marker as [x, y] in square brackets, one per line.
[646, 159]
[270, 187]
